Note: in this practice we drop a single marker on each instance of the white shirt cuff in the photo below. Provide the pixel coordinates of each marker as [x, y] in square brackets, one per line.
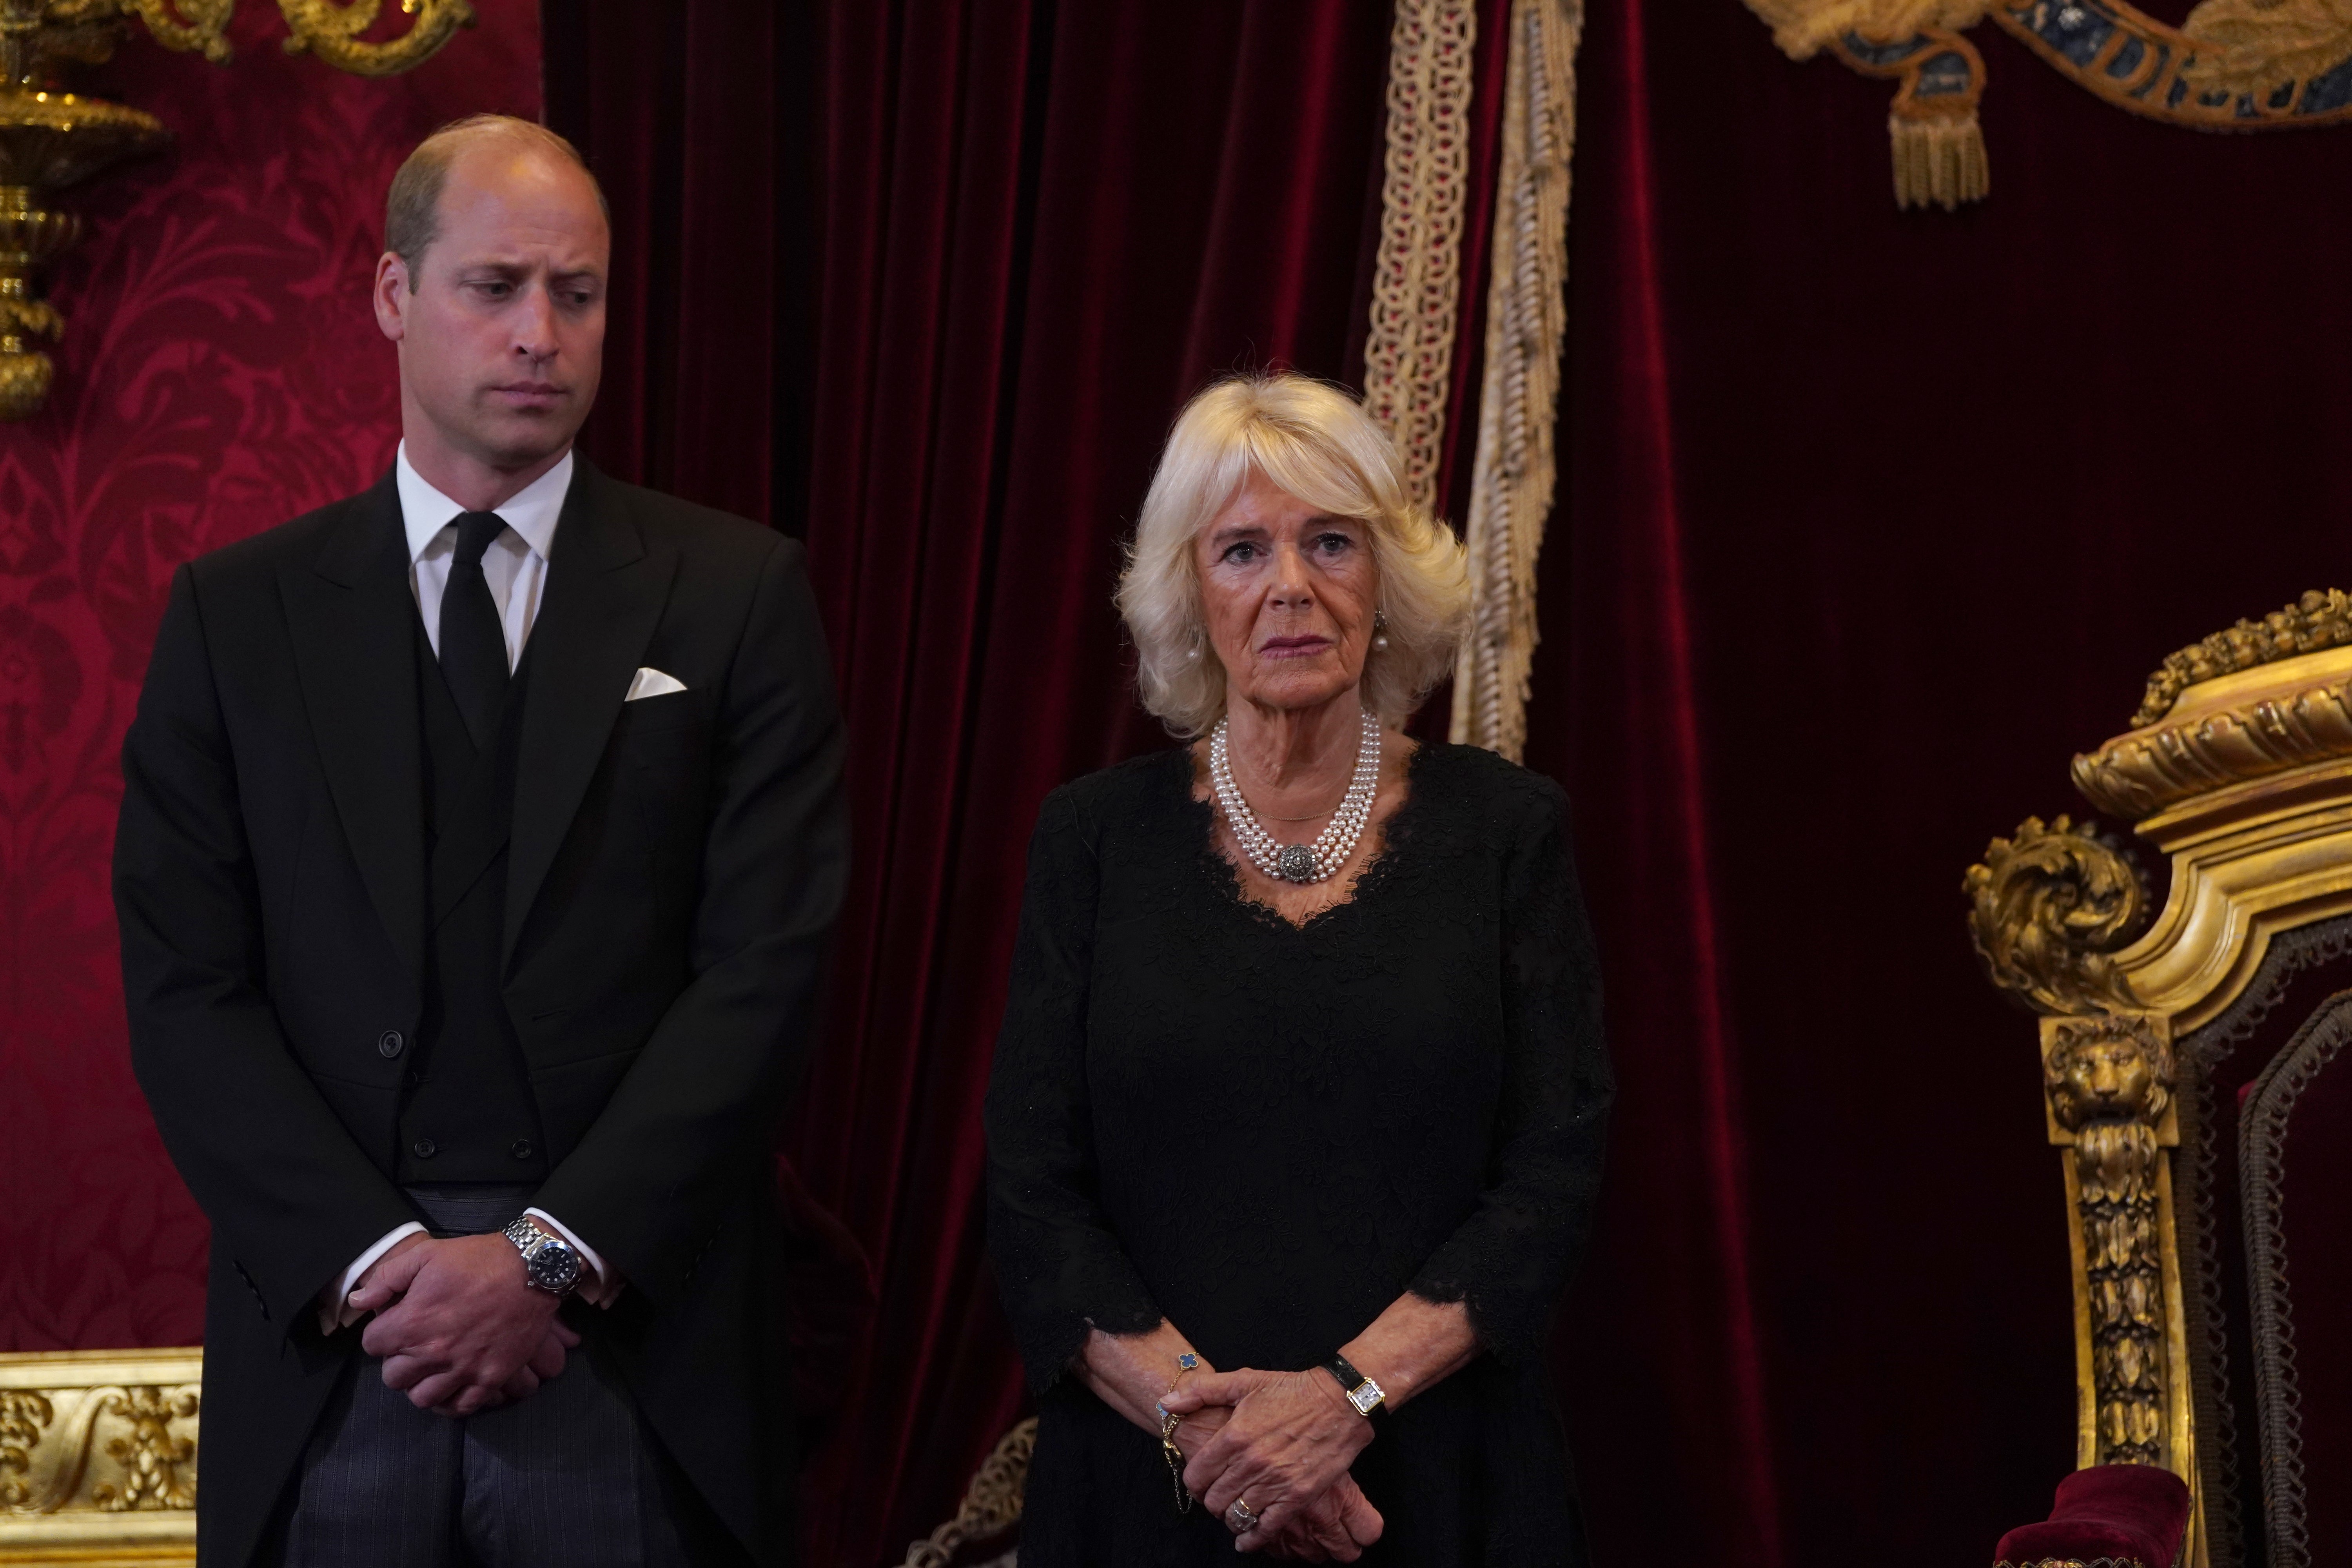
[603, 1287]
[335, 1311]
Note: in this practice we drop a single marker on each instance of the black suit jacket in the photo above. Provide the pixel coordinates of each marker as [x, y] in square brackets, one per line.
[675, 868]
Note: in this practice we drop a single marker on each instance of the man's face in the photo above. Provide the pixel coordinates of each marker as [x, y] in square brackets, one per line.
[501, 330]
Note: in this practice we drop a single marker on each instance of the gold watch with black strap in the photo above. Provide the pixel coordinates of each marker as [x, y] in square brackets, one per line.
[1366, 1396]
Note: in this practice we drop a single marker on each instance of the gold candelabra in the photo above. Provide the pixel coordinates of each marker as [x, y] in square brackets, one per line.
[51, 138]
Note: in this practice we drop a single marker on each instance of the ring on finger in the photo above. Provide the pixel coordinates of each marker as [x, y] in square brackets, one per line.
[1241, 1517]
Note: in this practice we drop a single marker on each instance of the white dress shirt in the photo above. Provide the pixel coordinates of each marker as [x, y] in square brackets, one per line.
[515, 563]
[516, 568]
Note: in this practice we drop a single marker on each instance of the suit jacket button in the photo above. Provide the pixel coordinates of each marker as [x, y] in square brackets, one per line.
[521, 1149]
[388, 1043]
[425, 1148]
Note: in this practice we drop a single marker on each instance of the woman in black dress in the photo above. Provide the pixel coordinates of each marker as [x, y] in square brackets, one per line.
[1295, 1121]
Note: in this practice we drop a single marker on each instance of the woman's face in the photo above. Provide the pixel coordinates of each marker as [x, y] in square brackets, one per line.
[1288, 593]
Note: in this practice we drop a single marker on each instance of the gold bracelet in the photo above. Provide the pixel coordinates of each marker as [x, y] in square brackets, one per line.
[1169, 1421]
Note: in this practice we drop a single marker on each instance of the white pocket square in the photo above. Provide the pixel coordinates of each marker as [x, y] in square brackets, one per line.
[651, 682]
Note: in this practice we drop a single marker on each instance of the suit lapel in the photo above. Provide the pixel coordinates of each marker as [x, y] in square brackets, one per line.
[606, 589]
[353, 618]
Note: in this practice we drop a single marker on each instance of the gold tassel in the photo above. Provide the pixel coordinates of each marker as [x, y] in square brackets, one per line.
[1939, 150]
[1938, 160]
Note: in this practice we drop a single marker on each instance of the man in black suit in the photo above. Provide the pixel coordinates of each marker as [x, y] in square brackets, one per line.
[480, 839]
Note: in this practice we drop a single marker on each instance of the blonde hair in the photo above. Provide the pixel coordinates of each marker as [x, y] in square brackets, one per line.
[412, 208]
[1317, 443]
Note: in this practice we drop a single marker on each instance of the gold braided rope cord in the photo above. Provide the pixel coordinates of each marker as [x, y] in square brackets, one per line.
[992, 1504]
[1417, 274]
[1514, 474]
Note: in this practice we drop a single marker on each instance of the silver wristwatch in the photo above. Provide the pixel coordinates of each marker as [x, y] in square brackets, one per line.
[549, 1262]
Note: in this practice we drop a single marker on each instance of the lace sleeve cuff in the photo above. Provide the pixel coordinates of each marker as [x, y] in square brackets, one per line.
[1513, 1330]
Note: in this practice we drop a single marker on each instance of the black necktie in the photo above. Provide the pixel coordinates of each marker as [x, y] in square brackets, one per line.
[473, 643]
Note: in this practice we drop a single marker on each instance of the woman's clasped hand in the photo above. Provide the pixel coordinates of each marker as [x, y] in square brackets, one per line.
[1284, 1454]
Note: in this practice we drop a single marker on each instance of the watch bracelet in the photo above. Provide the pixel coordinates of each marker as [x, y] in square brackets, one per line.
[531, 1238]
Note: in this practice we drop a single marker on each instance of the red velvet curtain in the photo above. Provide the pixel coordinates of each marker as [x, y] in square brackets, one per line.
[1873, 520]
[1008, 239]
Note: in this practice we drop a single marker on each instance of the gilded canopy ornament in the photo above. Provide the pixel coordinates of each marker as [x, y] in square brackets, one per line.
[2232, 65]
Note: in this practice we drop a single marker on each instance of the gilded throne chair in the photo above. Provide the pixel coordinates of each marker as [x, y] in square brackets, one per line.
[2196, 1081]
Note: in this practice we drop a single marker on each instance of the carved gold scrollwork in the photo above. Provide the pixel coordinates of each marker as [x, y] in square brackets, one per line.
[46, 1462]
[189, 26]
[2110, 1080]
[25, 1414]
[2198, 743]
[153, 1457]
[323, 28]
[332, 33]
[2143, 772]
[2048, 909]
[99, 1454]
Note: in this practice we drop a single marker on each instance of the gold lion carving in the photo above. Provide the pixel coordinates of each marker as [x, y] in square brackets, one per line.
[2102, 1069]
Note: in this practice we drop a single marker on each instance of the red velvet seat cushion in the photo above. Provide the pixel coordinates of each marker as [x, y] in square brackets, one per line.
[2109, 1511]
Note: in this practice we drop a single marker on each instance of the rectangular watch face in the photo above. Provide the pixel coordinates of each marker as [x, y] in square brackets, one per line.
[1364, 1396]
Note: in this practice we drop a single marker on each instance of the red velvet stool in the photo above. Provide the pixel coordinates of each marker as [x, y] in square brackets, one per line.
[2108, 1513]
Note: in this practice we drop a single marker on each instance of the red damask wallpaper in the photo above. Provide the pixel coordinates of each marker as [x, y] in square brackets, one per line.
[220, 373]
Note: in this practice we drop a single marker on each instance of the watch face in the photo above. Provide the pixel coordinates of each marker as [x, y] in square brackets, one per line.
[553, 1267]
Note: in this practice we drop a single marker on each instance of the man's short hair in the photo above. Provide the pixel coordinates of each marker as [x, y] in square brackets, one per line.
[412, 211]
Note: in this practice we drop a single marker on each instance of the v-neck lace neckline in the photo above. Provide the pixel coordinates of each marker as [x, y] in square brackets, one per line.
[1375, 873]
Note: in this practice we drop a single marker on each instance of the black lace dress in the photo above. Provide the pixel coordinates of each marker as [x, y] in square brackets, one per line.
[1267, 1132]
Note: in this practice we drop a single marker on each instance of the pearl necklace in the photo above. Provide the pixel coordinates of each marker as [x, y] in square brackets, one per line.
[1301, 862]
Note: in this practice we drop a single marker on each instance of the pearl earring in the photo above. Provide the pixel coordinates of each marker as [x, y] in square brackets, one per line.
[1192, 653]
[1380, 629]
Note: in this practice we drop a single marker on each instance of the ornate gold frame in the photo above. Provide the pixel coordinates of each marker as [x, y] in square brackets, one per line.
[98, 1457]
[2240, 772]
